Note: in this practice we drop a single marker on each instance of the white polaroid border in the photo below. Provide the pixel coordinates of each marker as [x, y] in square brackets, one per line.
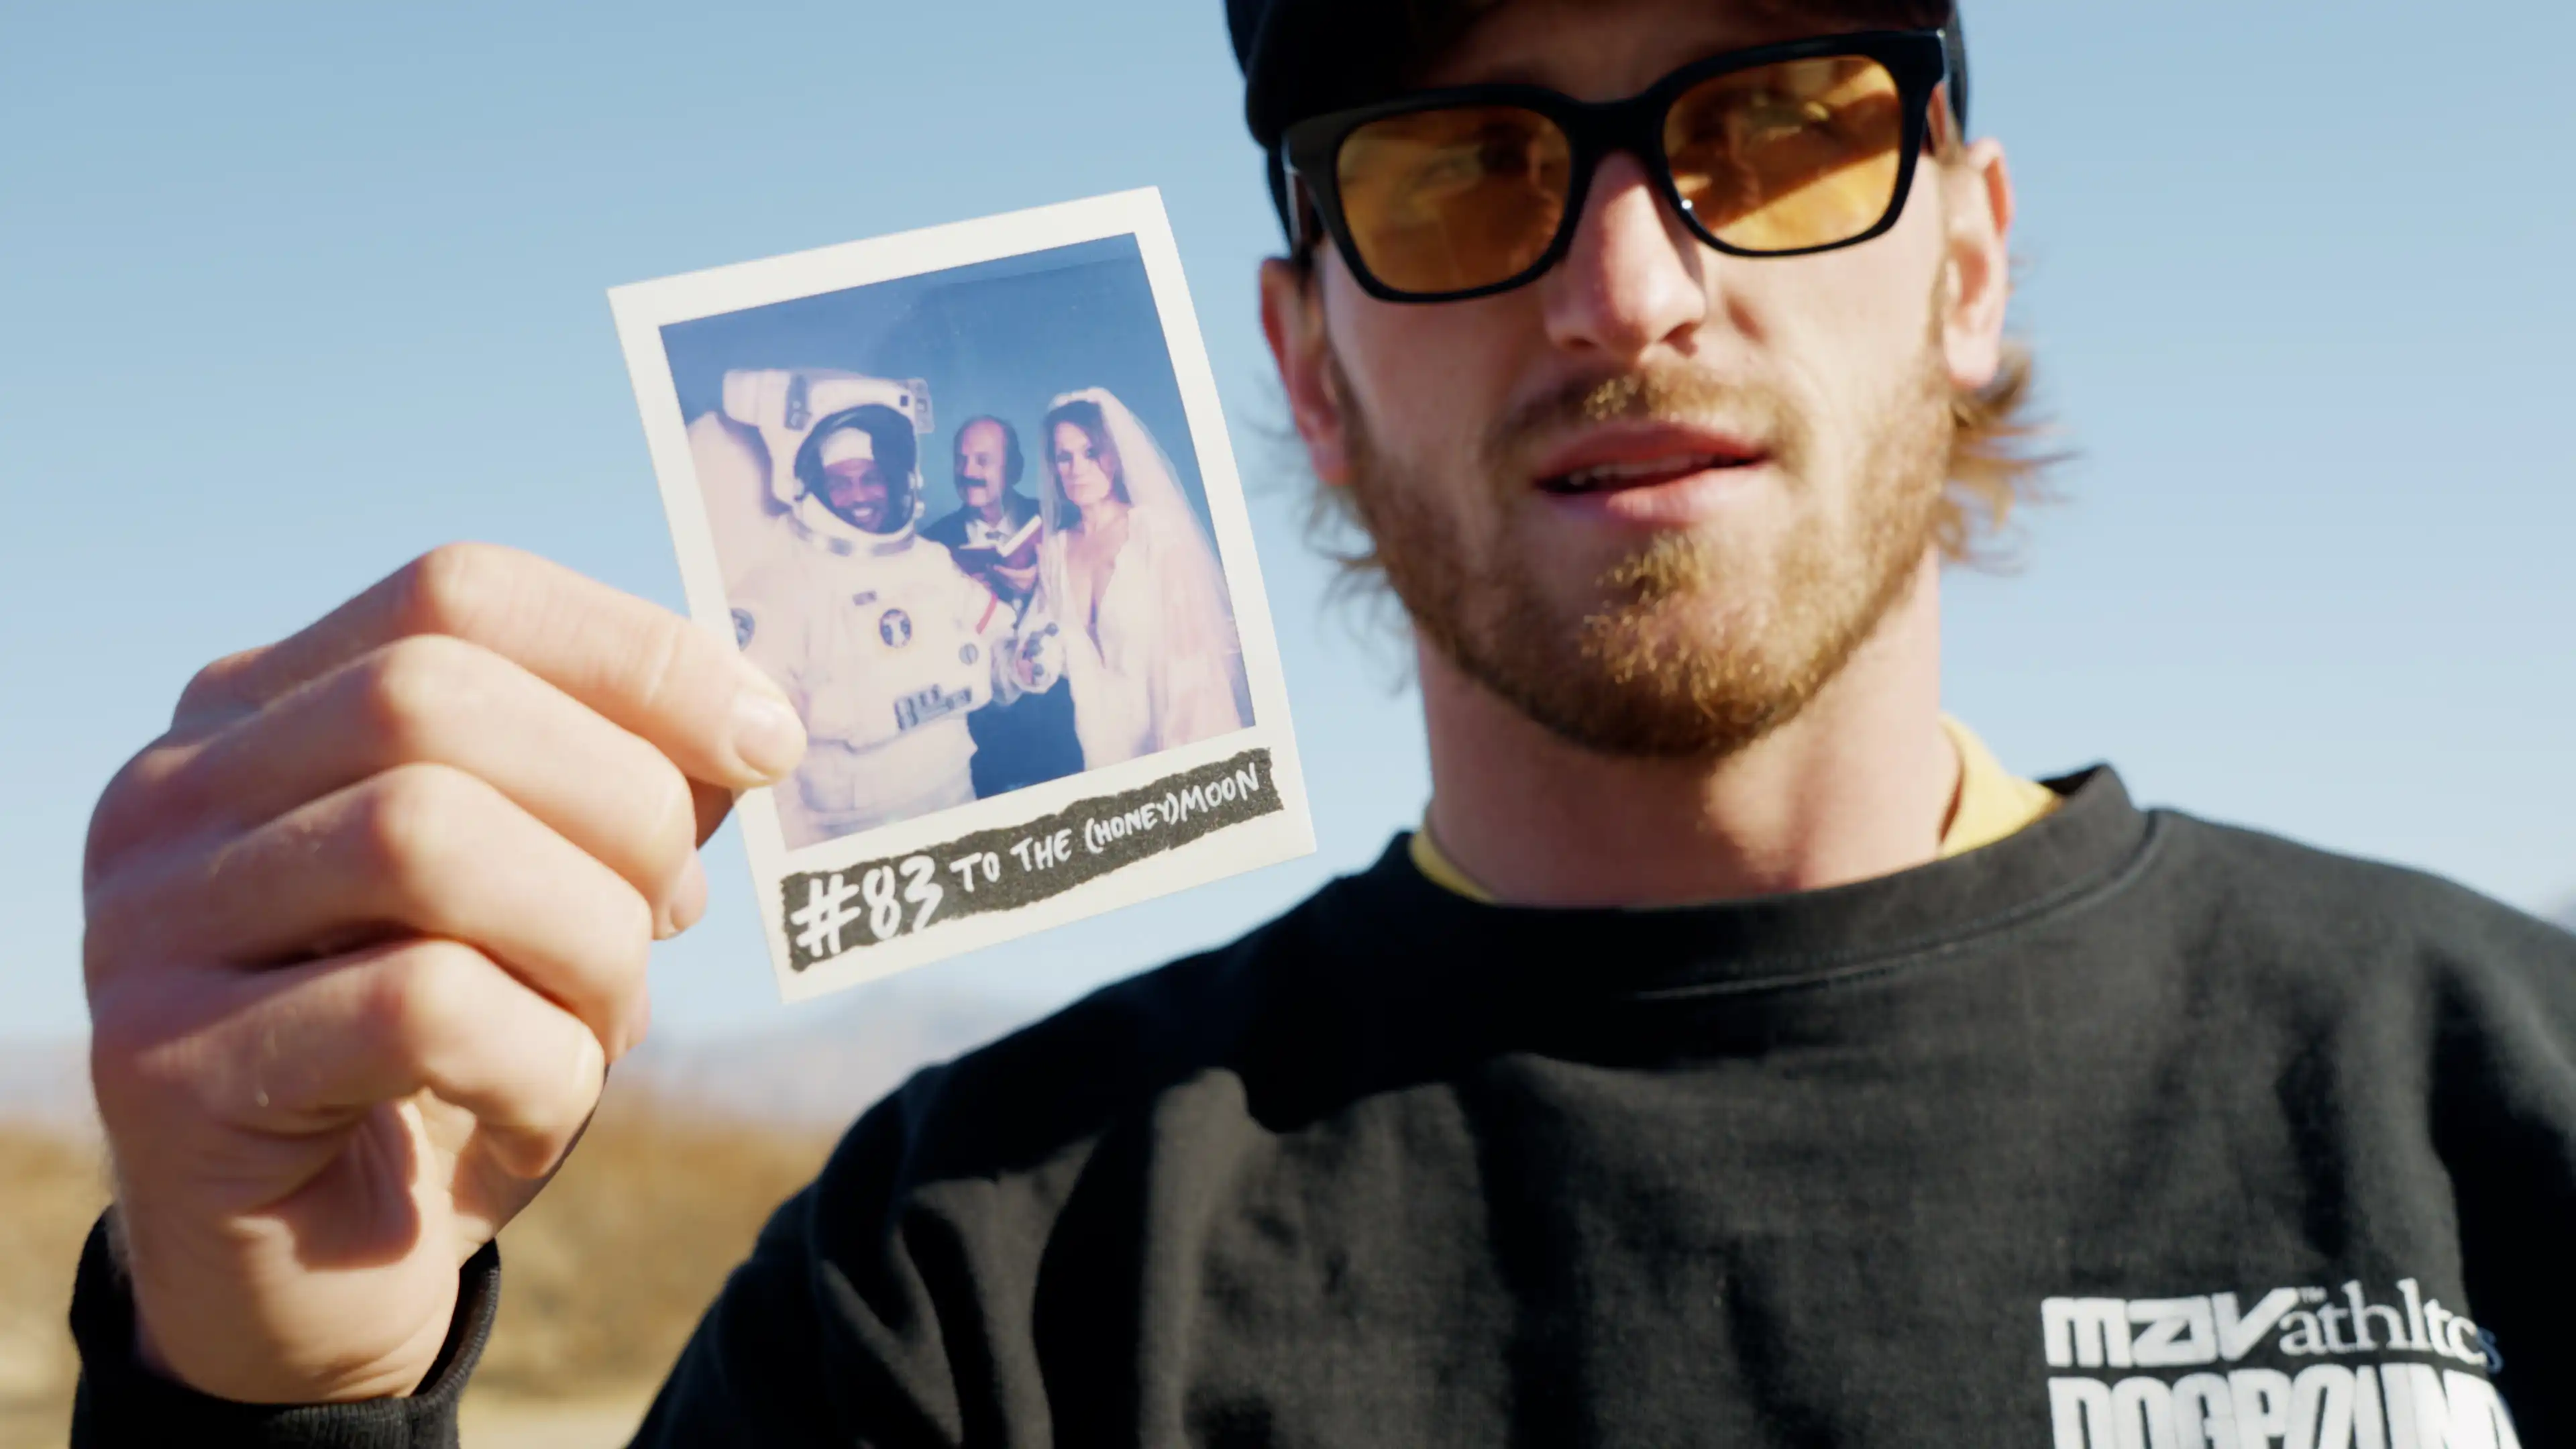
[1131, 832]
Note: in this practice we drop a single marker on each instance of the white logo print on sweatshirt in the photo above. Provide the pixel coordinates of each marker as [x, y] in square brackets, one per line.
[2326, 1403]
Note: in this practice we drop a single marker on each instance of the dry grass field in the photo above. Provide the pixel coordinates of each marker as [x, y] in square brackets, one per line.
[605, 1275]
[51, 1189]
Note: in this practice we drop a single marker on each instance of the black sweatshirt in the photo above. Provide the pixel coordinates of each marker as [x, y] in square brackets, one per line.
[2129, 1120]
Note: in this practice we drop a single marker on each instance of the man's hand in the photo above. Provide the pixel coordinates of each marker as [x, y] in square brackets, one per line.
[366, 927]
[1017, 583]
[1037, 657]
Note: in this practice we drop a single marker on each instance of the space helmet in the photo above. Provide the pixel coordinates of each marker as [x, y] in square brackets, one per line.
[799, 411]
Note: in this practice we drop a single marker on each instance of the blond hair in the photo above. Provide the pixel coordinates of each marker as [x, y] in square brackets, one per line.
[1994, 463]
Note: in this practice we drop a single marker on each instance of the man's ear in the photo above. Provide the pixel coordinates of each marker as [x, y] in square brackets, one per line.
[1977, 202]
[1292, 318]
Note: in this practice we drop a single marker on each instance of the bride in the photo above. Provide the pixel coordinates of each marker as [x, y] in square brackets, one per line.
[1151, 652]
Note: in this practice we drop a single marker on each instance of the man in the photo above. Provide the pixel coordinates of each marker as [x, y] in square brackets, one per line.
[885, 646]
[994, 537]
[994, 533]
[1757, 1108]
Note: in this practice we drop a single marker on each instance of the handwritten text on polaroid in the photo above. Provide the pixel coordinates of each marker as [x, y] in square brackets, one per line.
[831, 913]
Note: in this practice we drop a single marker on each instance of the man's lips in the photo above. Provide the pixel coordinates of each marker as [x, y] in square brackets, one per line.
[1627, 457]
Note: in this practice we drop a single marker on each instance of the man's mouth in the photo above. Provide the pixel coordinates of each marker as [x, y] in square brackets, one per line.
[1627, 457]
[1642, 473]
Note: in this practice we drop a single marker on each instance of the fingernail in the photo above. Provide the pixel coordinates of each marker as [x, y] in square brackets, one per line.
[767, 736]
[688, 903]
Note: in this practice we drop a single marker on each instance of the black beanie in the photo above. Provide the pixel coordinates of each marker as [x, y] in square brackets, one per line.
[1302, 58]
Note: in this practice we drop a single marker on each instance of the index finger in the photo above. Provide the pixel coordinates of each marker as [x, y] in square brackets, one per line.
[640, 666]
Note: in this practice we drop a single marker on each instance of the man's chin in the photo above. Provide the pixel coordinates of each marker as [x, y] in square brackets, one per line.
[1676, 655]
[1681, 636]
[1674, 709]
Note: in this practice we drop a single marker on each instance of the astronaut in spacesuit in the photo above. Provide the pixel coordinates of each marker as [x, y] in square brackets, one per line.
[883, 642]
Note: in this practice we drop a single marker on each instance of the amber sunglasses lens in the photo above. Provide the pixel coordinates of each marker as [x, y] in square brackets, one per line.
[1454, 199]
[1785, 157]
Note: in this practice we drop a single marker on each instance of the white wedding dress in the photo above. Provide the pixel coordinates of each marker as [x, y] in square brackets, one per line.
[1158, 662]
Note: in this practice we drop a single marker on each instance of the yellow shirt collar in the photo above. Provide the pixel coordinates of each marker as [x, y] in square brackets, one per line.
[1992, 803]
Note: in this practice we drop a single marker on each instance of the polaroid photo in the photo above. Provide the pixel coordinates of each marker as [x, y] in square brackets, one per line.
[966, 494]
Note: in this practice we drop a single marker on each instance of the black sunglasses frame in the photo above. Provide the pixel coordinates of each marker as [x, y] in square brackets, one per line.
[1308, 155]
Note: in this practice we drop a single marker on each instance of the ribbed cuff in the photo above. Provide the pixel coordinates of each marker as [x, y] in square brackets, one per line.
[124, 1402]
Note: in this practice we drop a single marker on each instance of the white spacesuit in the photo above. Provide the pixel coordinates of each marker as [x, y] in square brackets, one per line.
[882, 641]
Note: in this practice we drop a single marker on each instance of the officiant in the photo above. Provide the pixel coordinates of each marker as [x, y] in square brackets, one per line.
[994, 537]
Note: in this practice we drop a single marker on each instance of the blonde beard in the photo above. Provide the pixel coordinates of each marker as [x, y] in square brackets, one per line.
[1675, 657]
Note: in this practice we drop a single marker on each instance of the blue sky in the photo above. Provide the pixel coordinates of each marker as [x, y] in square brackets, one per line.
[290, 294]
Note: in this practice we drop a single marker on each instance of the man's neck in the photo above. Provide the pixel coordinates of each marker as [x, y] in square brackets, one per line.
[996, 514]
[1858, 786]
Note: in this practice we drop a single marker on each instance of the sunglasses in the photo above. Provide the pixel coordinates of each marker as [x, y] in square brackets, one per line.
[1777, 152]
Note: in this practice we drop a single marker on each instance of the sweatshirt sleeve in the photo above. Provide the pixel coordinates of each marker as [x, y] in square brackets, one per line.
[836, 1329]
[123, 1402]
[2506, 1107]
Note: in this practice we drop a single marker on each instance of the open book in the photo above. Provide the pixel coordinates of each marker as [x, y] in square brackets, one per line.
[1019, 551]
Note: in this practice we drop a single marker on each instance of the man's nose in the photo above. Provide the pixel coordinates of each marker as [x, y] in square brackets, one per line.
[1634, 276]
